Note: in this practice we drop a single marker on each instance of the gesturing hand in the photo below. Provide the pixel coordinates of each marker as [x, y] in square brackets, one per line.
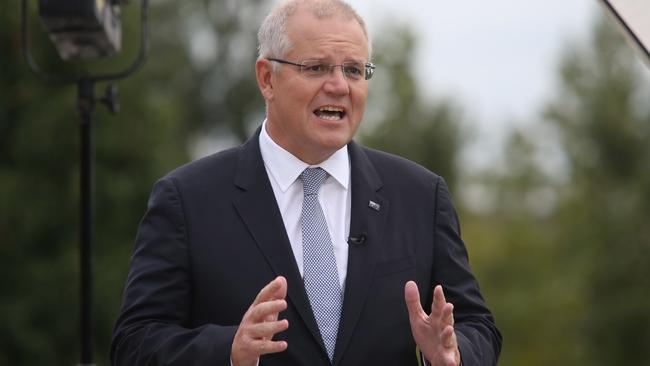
[259, 324]
[433, 333]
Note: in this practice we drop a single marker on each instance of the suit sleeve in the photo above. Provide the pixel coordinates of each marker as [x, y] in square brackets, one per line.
[479, 340]
[154, 326]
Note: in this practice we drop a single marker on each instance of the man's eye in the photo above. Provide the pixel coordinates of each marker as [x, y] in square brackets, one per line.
[315, 68]
[354, 70]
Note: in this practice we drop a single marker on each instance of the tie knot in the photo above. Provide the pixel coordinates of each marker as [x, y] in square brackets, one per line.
[312, 179]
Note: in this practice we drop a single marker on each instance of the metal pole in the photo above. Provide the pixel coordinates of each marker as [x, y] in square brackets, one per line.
[85, 106]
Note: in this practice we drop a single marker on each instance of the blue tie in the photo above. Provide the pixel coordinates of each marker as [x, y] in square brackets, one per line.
[319, 264]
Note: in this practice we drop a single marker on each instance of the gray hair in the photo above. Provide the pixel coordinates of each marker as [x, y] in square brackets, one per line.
[272, 36]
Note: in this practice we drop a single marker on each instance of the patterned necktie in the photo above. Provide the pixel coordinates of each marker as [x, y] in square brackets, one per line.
[319, 264]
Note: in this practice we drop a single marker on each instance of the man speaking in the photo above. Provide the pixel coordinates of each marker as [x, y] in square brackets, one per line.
[301, 247]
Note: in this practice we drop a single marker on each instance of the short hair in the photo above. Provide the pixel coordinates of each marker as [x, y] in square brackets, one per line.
[273, 38]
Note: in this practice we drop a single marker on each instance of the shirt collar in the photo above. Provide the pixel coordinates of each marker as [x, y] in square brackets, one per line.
[285, 168]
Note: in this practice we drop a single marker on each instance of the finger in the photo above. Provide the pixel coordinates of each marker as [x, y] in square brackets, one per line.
[448, 314]
[281, 293]
[263, 347]
[271, 289]
[412, 298]
[267, 310]
[267, 329]
[271, 317]
[448, 337]
[439, 300]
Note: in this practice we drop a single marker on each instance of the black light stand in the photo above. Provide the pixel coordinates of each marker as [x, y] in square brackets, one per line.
[85, 106]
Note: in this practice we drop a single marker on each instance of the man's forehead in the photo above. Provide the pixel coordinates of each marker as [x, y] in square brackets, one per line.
[304, 27]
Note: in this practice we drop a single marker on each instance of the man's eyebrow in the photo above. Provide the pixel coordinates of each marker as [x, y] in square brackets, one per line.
[329, 62]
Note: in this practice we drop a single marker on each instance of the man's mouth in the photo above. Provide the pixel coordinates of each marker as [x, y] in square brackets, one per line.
[330, 113]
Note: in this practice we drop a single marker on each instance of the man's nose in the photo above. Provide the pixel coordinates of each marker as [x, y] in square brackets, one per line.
[336, 82]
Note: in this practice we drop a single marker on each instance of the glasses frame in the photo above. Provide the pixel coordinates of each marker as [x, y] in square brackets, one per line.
[368, 67]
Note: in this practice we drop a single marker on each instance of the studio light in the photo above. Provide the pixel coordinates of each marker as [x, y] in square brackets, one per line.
[83, 29]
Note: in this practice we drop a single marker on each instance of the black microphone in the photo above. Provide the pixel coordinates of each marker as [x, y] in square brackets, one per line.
[357, 239]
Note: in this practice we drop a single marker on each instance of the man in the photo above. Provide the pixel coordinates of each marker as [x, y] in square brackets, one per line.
[301, 247]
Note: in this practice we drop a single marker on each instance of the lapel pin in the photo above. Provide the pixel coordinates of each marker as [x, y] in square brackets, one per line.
[374, 205]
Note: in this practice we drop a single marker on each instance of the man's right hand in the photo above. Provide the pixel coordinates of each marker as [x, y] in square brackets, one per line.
[255, 334]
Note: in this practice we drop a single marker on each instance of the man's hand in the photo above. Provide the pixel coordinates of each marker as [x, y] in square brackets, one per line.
[433, 333]
[259, 324]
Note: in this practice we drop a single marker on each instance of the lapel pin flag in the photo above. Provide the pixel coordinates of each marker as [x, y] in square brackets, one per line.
[374, 205]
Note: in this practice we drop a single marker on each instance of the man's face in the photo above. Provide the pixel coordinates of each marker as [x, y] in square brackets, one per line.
[313, 117]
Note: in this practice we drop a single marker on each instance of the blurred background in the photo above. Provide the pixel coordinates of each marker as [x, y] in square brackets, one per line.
[537, 113]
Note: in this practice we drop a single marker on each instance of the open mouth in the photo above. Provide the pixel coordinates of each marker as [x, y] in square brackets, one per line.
[330, 113]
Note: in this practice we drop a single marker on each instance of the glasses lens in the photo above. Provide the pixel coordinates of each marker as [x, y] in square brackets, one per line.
[353, 70]
[314, 68]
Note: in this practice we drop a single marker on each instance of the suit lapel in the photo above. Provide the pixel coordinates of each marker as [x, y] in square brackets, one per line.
[369, 221]
[258, 209]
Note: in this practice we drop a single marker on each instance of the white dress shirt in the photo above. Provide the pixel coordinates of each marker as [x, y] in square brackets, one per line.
[284, 171]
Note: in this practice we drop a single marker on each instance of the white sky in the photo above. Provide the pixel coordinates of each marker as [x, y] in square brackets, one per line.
[496, 58]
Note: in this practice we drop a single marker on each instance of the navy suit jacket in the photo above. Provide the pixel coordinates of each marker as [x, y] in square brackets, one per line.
[213, 236]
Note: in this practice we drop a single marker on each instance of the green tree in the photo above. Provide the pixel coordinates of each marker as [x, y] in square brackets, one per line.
[567, 249]
[604, 121]
[529, 280]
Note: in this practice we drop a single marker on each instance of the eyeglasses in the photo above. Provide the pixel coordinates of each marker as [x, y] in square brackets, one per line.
[315, 68]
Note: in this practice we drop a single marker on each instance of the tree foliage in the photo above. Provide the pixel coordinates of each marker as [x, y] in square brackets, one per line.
[570, 283]
[605, 122]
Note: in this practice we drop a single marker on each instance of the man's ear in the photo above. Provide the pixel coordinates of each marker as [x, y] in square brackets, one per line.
[264, 73]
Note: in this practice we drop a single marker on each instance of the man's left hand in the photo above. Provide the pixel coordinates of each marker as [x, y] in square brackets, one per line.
[433, 333]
